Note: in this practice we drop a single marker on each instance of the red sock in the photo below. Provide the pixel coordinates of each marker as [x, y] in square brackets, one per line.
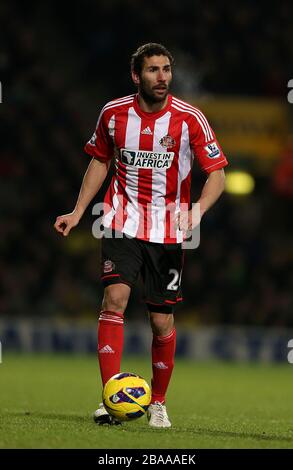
[163, 352]
[110, 343]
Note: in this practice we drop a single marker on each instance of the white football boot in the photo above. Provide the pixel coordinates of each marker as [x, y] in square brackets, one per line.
[157, 416]
[101, 416]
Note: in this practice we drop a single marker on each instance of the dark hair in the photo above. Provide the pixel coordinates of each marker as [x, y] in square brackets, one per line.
[148, 50]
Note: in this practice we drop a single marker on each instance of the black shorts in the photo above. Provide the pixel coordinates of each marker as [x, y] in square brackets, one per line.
[160, 266]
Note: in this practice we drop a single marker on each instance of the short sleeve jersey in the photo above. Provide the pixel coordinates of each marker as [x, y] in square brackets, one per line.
[154, 154]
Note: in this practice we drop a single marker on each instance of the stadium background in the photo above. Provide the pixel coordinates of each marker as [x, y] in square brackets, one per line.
[59, 64]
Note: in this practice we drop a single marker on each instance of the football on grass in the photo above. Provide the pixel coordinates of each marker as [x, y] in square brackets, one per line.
[126, 396]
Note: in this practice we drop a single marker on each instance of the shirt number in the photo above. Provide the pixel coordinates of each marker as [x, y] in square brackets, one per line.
[173, 284]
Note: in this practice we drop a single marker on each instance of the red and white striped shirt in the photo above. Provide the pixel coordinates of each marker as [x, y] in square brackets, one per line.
[154, 153]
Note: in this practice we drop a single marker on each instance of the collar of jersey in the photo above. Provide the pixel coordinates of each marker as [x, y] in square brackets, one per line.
[156, 115]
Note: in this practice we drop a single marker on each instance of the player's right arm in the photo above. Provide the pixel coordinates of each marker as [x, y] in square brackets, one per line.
[92, 182]
[101, 148]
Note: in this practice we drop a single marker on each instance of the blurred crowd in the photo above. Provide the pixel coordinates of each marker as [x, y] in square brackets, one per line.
[57, 67]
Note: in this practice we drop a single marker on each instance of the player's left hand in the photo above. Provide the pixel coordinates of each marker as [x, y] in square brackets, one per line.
[188, 220]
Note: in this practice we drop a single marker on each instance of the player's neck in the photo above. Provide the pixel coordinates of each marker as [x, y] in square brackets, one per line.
[151, 107]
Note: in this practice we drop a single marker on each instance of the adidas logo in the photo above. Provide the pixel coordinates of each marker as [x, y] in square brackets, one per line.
[147, 131]
[160, 365]
[107, 349]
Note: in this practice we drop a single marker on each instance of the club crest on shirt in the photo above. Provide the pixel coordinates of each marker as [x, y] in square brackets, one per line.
[213, 150]
[108, 266]
[167, 141]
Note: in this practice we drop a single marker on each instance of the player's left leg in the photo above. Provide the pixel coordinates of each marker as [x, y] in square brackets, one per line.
[163, 353]
[162, 277]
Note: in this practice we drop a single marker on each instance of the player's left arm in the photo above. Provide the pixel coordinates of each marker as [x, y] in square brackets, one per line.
[212, 190]
[211, 159]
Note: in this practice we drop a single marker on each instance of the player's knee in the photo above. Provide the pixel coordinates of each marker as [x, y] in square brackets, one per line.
[161, 323]
[115, 298]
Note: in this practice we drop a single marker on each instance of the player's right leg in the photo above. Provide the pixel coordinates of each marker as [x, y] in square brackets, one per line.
[111, 329]
[121, 262]
[110, 339]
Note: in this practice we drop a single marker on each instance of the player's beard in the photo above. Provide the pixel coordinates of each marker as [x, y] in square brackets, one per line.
[149, 95]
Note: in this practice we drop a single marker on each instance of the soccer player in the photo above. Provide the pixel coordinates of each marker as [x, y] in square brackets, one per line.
[154, 139]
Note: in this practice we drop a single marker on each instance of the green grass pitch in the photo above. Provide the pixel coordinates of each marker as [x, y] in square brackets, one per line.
[47, 402]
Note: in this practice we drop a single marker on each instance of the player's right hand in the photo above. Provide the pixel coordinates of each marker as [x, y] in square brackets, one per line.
[64, 223]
